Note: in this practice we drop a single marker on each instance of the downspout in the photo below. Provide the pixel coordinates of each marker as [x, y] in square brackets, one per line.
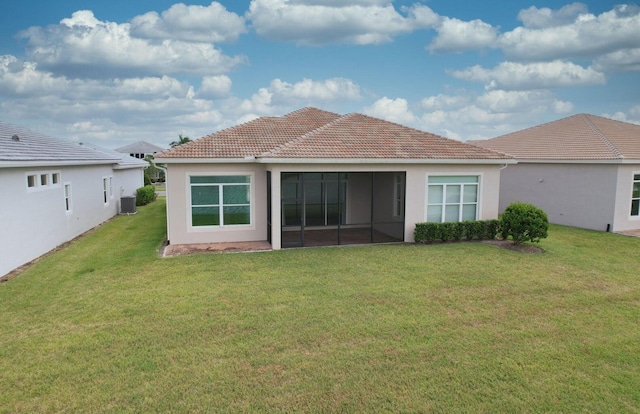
[166, 191]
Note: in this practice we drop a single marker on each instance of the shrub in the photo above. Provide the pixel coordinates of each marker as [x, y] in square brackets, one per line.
[145, 195]
[524, 222]
[491, 229]
[455, 231]
[427, 232]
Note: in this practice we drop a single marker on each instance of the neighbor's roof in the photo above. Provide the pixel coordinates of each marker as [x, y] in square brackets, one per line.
[311, 133]
[125, 160]
[578, 137]
[140, 147]
[21, 145]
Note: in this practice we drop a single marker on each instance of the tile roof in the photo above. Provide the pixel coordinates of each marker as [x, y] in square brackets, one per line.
[578, 137]
[21, 144]
[140, 147]
[125, 160]
[313, 133]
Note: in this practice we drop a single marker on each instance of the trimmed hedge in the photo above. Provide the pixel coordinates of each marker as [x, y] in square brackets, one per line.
[455, 231]
[145, 195]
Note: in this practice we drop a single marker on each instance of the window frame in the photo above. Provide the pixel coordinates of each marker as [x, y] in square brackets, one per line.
[221, 205]
[42, 180]
[107, 189]
[68, 198]
[635, 181]
[461, 203]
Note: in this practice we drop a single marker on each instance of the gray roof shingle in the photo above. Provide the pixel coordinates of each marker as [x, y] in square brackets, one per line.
[21, 144]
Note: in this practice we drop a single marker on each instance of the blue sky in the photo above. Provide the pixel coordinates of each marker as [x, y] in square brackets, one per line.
[112, 73]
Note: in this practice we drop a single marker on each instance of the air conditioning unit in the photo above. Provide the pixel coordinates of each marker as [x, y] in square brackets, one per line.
[128, 205]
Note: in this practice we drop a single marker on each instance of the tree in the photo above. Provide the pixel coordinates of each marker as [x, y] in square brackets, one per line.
[154, 173]
[524, 222]
[181, 140]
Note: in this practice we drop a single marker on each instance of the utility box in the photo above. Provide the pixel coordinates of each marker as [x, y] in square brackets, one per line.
[128, 205]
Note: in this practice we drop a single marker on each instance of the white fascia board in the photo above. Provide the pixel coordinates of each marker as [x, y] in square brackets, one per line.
[554, 161]
[383, 161]
[37, 163]
[246, 160]
[331, 161]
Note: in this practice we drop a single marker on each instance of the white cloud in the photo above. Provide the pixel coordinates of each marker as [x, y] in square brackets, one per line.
[455, 35]
[215, 87]
[525, 76]
[309, 90]
[586, 36]
[489, 115]
[209, 24]
[627, 60]
[317, 23]
[83, 46]
[394, 110]
[536, 18]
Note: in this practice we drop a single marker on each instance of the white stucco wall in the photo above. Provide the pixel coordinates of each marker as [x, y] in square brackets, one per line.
[180, 232]
[579, 195]
[179, 229]
[126, 182]
[34, 221]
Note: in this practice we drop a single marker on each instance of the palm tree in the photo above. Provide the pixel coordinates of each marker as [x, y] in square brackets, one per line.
[181, 140]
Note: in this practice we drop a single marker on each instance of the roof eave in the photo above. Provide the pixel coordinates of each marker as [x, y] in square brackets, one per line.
[577, 161]
[50, 163]
[245, 160]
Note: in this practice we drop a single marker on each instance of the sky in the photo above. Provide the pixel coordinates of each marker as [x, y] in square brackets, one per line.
[116, 72]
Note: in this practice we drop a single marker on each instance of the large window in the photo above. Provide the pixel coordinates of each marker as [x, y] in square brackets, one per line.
[452, 198]
[635, 196]
[220, 200]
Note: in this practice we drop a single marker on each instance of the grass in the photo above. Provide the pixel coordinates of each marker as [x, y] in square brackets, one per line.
[105, 325]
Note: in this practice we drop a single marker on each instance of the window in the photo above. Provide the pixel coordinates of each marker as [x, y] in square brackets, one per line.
[635, 196]
[220, 200]
[67, 198]
[31, 181]
[111, 187]
[398, 195]
[105, 190]
[452, 198]
[42, 180]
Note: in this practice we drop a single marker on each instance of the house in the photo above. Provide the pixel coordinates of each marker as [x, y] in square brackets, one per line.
[313, 178]
[55, 190]
[583, 171]
[140, 149]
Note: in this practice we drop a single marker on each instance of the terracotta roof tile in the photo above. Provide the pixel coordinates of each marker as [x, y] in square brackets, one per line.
[578, 137]
[313, 133]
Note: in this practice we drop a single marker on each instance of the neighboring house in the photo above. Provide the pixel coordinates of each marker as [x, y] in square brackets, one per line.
[140, 149]
[584, 171]
[318, 178]
[54, 190]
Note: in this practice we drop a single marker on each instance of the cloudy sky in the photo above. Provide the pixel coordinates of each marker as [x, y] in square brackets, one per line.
[116, 72]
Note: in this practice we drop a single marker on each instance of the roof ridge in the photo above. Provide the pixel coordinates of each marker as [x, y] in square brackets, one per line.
[303, 136]
[603, 137]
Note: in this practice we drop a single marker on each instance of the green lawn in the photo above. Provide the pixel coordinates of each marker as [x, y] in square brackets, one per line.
[105, 325]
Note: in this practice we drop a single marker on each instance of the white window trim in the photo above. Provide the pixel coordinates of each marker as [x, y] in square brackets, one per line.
[631, 198]
[68, 211]
[107, 193]
[38, 180]
[235, 227]
[480, 201]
